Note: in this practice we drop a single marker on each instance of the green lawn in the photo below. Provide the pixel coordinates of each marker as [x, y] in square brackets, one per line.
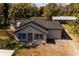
[72, 31]
[69, 28]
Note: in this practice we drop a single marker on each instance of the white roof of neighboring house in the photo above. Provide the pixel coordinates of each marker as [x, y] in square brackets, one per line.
[64, 17]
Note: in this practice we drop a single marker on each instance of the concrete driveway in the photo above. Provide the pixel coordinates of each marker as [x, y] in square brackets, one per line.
[6, 52]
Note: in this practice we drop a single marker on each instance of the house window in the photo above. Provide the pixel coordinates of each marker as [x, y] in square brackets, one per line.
[21, 36]
[41, 36]
[38, 36]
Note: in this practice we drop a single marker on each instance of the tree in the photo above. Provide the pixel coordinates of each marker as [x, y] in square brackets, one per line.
[35, 11]
[1, 11]
[49, 10]
[22, 10]
[41, 11]
[5, 13]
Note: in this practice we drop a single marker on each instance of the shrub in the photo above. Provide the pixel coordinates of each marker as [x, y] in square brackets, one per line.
[3, 43]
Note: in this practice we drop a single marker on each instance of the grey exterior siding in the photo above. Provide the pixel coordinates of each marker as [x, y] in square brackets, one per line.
[31, 24]
[54, 34]
[33, 31]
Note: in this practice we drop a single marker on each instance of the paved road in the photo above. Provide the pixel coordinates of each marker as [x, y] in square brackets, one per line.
[6, 52]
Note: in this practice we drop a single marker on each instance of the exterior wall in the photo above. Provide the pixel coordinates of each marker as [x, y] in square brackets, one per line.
[33, 31]
[36, 27]
[54, 34]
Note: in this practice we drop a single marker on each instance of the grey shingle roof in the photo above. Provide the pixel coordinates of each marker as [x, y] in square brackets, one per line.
[47, 24]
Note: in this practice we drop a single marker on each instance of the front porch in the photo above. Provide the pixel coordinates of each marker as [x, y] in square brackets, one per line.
[32, 38]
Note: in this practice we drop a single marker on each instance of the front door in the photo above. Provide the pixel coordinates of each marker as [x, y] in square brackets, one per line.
[30, 37]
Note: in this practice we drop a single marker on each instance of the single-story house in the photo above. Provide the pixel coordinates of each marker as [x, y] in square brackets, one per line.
[37, 30]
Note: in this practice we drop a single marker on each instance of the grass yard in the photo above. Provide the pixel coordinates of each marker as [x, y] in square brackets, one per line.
[74, 35]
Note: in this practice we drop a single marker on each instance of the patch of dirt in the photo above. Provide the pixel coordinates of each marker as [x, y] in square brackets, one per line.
[61, 48]
[6, 33]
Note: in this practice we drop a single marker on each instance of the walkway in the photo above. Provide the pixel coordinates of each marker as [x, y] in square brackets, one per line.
[6, 52]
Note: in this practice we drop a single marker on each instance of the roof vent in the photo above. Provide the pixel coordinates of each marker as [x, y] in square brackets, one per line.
[18, 24]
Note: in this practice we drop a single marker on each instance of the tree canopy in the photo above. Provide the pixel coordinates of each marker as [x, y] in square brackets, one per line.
[24, 10]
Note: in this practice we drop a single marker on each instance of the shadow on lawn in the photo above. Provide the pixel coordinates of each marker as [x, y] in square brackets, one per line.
[51, 41]
[65, 36]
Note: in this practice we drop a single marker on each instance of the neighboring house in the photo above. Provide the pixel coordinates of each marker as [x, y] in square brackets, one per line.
[63, 19]
[37, 30]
